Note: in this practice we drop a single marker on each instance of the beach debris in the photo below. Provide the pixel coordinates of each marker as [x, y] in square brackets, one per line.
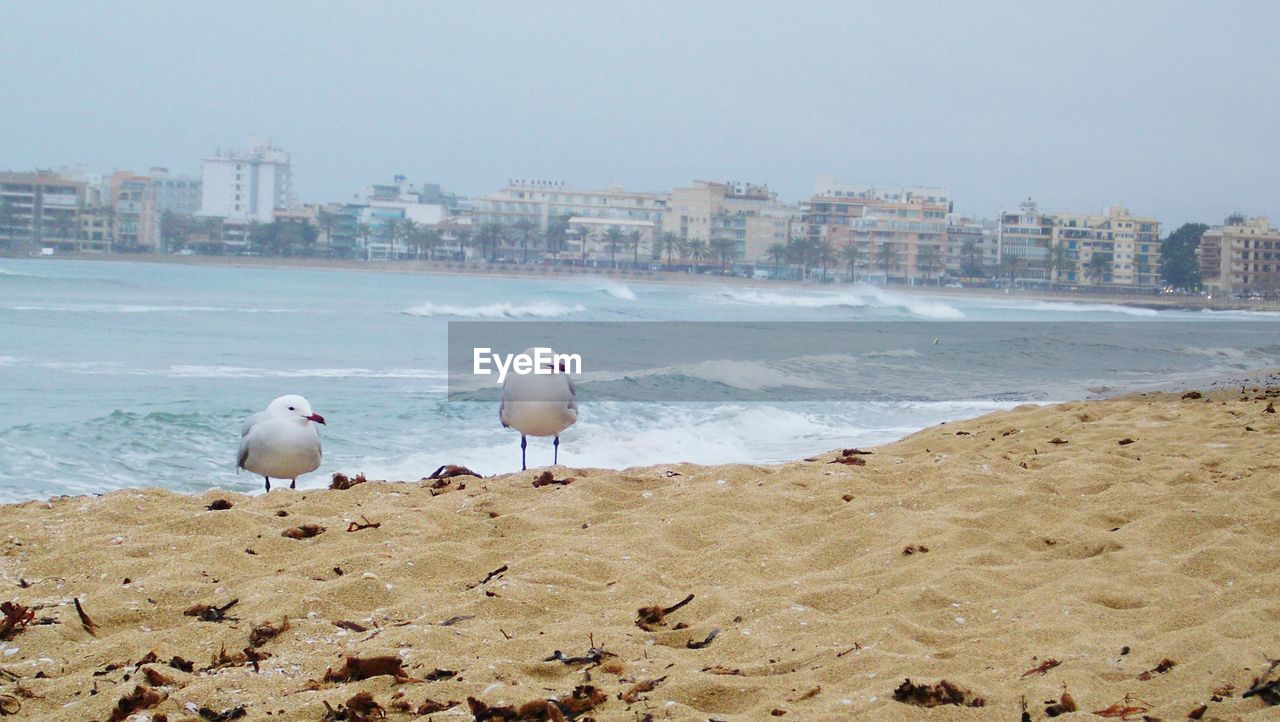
[1164, 666]
[1264, 688]
[963, 433]
[438, 674]
[156, 678]
[1126, 709]
[722, 670]
[350, 626]
[1125, 441]
[847, 498]
[225, 715]
[1198, 712]
[1219, 693]
[265, 632]
[814, 692]
[181, 664]
[490, 576]
[1271, 408]
[633, 693]
[341, 481]
[219, 505]
[9, 704]
[455, 619]
[1058, 441]
[16, 618]
[1042, 668]
[592, 656]
[711, 636]
[849, 461]
[944, 692]
[305, 531]
[355, 669]
[647, 617]
[1192, 395]
[546, 479]
[910, 549]
[671, 474]
[281, 513]
[583, 699]
[1064, 704]
[430, 706]
[85, 621]
[448, 471]
[854, 648]
[209, 613]
[246, 656]
[140, 698]
[364, 523]
[361, 707]
[855, 452]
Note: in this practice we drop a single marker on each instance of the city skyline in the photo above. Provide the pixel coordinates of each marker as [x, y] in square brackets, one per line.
[1079, 106]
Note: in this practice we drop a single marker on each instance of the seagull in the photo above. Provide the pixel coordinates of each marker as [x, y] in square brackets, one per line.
[281, 441]
[538, 404]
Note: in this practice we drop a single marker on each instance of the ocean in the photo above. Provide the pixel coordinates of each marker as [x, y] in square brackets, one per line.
[116, 374]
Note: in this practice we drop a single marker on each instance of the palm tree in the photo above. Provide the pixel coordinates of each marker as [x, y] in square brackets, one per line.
[409, 231]
[389, 232]
[211, 229]
[929, 261]
[65, 226]
[824, 252]
[697, 250]
[801, 250]
[887, 258]
[670, 244]
[431, 240]
[851, 255]
[1060, 261]
[613, 239]
[491, 234]
[525, 228]
[364, 231]
[969, 249]
[776, 253]
[557, 233]
[462, 237]
[635, 240]
[584, 237]
[725, 248]
[1098, 267]
[1011, 265]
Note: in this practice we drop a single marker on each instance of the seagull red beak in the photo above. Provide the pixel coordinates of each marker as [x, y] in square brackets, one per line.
[316, 418]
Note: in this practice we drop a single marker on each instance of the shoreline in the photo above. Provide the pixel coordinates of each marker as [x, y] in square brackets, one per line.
[486, 270]
[1106, 536]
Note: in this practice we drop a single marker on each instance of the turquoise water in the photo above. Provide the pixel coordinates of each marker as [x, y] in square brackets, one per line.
[136, 374]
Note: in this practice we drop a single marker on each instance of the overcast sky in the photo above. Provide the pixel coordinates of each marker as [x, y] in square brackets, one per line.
[1167, 107]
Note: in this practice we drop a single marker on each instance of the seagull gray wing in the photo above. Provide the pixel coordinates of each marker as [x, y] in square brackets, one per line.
[573, 395]
[242, 455]
[249, 422]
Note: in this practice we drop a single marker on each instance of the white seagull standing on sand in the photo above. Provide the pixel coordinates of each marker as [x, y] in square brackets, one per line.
[538, 404]
[281, 441]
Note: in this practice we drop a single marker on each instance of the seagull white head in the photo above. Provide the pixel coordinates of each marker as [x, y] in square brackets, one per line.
[294, 405]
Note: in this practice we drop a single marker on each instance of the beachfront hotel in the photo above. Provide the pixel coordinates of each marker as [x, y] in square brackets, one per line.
[893, 225]
[247, 185]
[41, 208]
[539, 202]
[1042, 247]
[745, 216]
[1242, 256]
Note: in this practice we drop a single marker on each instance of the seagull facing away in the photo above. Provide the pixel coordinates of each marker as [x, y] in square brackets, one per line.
[281, 441]
[538, 404]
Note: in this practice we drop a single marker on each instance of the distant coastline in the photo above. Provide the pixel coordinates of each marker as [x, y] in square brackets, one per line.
[510, 270]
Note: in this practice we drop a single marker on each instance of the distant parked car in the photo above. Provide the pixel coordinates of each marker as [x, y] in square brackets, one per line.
[955, 285]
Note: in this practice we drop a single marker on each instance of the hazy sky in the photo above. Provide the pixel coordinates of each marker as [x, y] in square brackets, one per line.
[1171, 108]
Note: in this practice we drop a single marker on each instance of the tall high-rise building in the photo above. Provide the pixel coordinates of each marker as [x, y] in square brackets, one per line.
[745, 216]
[247, 185]
[40, 208]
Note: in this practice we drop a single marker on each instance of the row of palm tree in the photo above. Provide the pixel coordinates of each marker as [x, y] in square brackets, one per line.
[821, 253]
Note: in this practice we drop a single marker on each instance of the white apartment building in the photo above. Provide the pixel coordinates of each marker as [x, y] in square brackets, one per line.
[247, 185]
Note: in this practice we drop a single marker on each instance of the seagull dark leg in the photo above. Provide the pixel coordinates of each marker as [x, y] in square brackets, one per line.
[293, 483]
[523, 443]
[268, 482]
[555, 459]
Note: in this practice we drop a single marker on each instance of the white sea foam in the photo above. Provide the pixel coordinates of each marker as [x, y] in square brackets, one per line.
[1219, 352]
[244, 372]
[860, 296]
[1072, 307]
[535, 309]
[617, 289]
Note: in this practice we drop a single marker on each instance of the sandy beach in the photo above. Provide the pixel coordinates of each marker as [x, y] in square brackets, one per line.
[1123, 551]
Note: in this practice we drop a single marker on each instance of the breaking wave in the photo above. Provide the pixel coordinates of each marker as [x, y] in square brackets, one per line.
[536, 309]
